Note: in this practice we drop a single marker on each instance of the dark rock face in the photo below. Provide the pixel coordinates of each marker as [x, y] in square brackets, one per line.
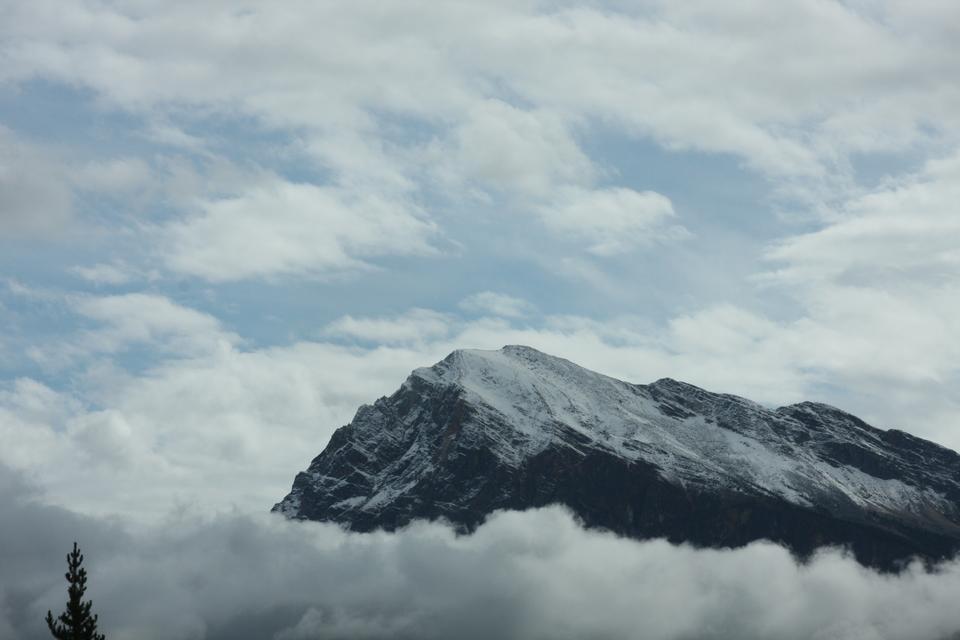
[516, 429]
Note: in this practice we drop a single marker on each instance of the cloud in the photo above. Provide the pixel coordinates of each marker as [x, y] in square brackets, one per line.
[904, 231]
[176, 431]
[878, 289]
[284, 228]
[536, 574]
[745, 80]
[30, 411]
[531, 159]
[413, 326]
[34, 195]
[438, 116]
[129, 321]
[146, 318]
[613, 220]
[114, 273]
[164, 133]
[497, 304]
[115, 176]
[528, 153]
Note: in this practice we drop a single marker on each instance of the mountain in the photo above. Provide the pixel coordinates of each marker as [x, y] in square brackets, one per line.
[517, 428]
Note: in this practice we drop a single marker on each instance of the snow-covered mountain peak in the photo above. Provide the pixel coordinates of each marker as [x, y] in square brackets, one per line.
[535, 393]
[479, 422]
[501, 366]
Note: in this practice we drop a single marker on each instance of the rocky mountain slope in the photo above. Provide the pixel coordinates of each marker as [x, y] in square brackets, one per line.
[517, 428]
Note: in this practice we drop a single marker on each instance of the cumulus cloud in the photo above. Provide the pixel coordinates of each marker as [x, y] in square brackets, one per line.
[536, 574]
[285, 228]
[146, 318]
[505, 148]
[532, 160]
[613, 220]
[207, 425]
[413, 326]
[497, 304]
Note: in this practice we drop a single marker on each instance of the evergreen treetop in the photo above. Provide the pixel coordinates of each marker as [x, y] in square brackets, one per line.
[75, 623]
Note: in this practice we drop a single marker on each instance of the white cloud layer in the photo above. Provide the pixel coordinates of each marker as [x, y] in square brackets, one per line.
[732, 83]
[497, 97]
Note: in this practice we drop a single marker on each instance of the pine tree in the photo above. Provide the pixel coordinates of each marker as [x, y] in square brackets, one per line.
[75, 623]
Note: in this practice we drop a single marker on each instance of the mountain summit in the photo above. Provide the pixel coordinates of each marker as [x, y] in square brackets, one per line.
[517, 428]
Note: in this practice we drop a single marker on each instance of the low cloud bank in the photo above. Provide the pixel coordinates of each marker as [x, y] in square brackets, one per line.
[527, 575]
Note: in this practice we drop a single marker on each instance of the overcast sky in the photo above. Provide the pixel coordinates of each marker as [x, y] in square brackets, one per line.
[225, 225]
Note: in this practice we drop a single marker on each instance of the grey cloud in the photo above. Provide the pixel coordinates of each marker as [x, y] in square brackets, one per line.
[522, 575]
[34, 538]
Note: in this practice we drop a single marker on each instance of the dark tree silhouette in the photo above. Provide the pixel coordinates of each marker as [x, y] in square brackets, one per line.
[75, 623]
